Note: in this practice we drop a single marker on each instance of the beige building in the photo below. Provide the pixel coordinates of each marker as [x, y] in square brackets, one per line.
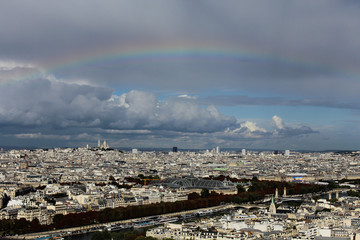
[43, 215]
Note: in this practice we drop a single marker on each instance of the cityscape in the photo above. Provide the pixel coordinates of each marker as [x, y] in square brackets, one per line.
[207, 119]
[255, 195]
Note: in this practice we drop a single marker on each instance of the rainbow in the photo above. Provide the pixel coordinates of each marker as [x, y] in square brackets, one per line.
[173, 52]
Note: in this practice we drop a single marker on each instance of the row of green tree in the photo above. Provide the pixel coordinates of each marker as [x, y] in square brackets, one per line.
[206, 199]
[354, 193]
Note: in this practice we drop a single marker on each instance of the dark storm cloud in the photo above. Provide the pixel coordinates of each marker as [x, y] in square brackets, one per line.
[52, 110]
[231, 100]
[316, 42]
[303, 52]
[54, 104]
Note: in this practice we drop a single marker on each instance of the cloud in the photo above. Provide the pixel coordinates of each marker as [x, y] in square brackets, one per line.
[246, 129]
[279, 123]
[187, 96]
[51, 103]
[42, 136]
[274, 55]
[11, 65]
[53, 109]
[252, 127]
[249, 130]
[14, 71]
[205, 48]
[55, 104]
[242, 100]
[130, 132]
[283, 130]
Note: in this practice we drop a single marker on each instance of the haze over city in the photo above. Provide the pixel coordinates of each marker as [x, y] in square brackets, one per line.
[193, 74]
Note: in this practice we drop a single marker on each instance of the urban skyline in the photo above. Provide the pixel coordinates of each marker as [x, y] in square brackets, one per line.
[196, 75]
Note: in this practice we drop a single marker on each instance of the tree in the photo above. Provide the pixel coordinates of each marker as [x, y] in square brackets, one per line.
[316, 197]
[205, 193]
[145, 238]
[353, 193]
[240, 188]
[58, 218]
[193, 196]
[332, 185]
[35, 225]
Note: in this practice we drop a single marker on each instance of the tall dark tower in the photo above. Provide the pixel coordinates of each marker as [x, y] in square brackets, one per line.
[174, 149]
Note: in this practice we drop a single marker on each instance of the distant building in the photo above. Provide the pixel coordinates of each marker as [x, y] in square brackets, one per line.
[217, 149]
[174, 149]
[104, 145]
[296, 177]
[243, 151]
[287, 153]
[134, 151]
[195, 184]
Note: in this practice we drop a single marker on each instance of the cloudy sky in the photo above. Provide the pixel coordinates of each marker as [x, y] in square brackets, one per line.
[279, 74]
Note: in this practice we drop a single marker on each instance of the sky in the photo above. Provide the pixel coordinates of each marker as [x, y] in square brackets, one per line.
[279, 74]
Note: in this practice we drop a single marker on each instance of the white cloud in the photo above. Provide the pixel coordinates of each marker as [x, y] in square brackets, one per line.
[250, 130]
[136, 131]
[187, 96]
[6, 65]
[278, 122]
[41, 136]
[246, 130]
[284, 130]
[252, 127]
[12, 71]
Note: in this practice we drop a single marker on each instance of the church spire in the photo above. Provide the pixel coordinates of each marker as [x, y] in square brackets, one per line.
[272, 208]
